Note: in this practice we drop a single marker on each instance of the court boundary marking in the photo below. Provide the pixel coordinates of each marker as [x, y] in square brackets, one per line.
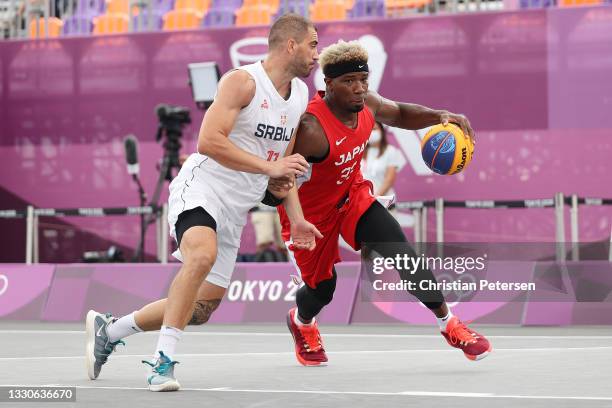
[335, 392]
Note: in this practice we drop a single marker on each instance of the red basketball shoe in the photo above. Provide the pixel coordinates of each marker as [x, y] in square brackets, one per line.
[475, 346]
[308, 346]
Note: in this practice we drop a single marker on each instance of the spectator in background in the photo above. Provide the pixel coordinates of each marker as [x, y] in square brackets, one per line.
[270, 245]
[381, 162]
[11, 17]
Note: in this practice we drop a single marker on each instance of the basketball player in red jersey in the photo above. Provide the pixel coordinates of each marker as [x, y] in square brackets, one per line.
[339, 201]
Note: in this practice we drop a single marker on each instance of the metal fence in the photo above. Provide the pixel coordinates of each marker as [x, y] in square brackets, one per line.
[419, 209]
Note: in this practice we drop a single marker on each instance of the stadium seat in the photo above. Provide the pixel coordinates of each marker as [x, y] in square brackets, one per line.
[141, 22]
[296, 6]
[328, 11]
[395, 7]
[254, 15]
[219, 18]
[367, 9]
[163, 6]
[201, 6]
[181, 20]
[90, 8]
[77, 25]
[118, 6]
[272, 4]
[226, 4]
[54, 24]
[111, 23]
[574, 3]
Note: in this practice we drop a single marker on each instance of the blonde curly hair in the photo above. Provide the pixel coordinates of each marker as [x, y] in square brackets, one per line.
[342, 51]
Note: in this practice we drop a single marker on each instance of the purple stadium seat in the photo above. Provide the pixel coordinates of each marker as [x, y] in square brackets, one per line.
[367, 8]
[226, 4]
[77, 25]
[218, 18]
[90, 8]
[156, 21]
[163, 6]
[296, 6]
[530, 4]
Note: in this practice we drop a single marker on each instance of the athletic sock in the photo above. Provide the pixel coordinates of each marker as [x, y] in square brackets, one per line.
[443, 321]
[122, 328]
[168, 338]
[297, 320]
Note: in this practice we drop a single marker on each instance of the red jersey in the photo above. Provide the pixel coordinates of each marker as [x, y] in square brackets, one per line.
[327, 183]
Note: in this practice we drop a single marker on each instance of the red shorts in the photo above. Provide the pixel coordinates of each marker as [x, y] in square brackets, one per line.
[316, 265]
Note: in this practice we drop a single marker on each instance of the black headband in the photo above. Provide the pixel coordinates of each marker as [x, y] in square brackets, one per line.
[341, 68]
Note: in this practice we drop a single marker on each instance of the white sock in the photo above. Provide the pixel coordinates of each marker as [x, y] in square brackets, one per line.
[122, 328]
[443, 321]
[297, 320]
[168, 338]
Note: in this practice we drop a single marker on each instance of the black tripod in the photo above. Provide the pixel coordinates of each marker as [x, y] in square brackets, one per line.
[171, 122]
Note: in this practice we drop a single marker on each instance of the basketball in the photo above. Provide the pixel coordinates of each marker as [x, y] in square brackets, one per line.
[446, 150]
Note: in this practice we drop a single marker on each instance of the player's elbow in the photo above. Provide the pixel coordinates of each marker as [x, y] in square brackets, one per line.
[203, 148]
[208, 146]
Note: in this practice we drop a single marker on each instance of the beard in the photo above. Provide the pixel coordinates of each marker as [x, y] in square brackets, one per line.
[356, 108]
[305, 72]
[301, 70]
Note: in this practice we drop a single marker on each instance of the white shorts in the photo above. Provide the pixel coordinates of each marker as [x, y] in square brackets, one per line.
[185, 197]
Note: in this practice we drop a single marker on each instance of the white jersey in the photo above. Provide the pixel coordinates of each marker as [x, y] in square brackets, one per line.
[263, 128]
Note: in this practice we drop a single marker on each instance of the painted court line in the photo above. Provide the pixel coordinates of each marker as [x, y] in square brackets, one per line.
[290, 353]
[338, 335]
[332, 392]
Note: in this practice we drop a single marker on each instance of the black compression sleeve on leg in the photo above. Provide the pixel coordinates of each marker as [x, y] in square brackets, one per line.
[378, 227]
[310, 301]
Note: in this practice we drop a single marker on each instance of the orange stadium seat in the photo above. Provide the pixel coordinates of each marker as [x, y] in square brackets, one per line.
[397, 6]
[181, 20]
[55, 28]
[117, 6]
[273, 4]
[201, 6]
[328, 11]
[347, 4]
[574, 3]
[253, 15]
[111, 23]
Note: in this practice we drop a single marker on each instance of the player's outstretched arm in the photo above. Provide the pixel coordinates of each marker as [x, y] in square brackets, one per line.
[413, 116]
[236, 90]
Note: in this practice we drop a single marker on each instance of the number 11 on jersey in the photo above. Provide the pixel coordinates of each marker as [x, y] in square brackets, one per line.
[272, 155]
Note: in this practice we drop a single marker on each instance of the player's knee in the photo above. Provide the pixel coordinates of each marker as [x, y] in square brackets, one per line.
[203, 310]
[326, 297]
[200, 263]
[325, 290]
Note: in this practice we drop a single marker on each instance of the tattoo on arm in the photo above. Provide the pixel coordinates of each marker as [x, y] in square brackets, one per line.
[203, 310]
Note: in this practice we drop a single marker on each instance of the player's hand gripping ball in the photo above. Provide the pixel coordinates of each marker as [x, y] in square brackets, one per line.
[446, 149]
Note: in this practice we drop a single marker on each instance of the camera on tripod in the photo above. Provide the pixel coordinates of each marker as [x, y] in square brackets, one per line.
[172, 119]
[173, 116]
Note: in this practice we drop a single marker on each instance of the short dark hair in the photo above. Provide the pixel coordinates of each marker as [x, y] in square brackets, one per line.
[288, 26]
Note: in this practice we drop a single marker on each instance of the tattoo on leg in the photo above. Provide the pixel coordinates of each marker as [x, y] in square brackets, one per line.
[203, 310]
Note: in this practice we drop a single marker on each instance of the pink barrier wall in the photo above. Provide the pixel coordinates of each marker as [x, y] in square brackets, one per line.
[262, 293]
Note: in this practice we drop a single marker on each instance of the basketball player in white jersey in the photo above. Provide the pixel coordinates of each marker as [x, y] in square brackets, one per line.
[242, 143]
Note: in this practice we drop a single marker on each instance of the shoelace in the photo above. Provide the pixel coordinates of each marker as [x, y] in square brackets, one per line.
[162, 365]
[461, 333]
[311, 337]
[108, 349]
